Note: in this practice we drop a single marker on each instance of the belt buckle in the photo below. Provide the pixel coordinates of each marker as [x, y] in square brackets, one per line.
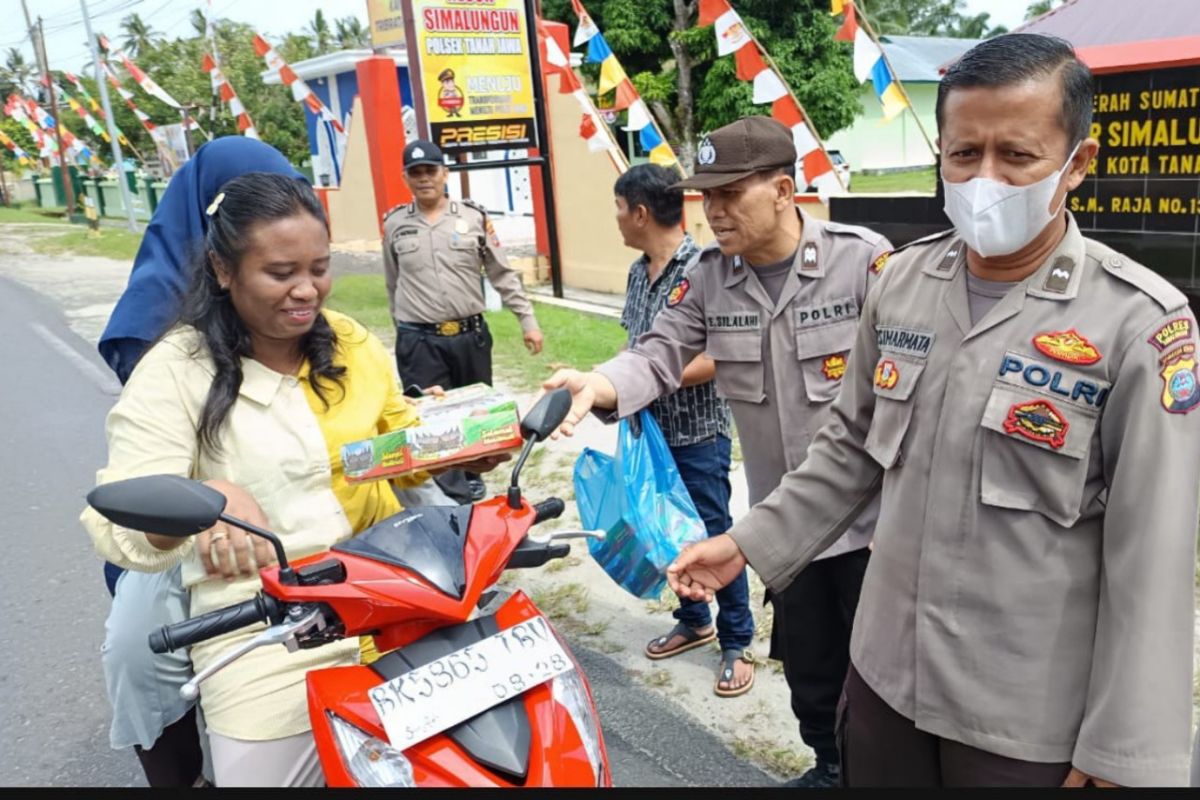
[451, 328]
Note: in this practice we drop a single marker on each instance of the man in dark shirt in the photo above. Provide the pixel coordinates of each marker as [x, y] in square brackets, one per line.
[695, 422]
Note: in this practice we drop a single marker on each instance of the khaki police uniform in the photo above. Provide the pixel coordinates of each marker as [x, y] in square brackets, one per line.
[435, 295]
[720, 308]
[1030, 589]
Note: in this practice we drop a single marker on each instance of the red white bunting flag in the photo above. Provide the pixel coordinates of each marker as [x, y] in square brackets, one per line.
[127, 96]
[813, 166]
[224, 89]
[140, 78]
[300, 91]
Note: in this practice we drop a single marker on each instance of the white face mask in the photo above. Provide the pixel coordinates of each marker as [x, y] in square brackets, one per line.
[996, 219]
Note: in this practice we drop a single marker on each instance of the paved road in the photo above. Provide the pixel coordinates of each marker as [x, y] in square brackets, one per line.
[54, 714]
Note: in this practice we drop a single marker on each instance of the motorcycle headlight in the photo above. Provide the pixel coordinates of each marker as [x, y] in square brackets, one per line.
[568, 690]
[371, 761]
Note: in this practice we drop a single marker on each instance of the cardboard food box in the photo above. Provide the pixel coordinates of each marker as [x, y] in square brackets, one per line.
[461, 428]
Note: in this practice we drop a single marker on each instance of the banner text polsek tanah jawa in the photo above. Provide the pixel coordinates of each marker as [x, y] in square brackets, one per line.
[475, 73]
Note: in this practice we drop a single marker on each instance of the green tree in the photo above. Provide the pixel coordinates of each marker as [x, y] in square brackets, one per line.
[139, 36]
[320, 33]
[15, 131]
[17, 75]
[198, 21]
[1039, 7]
[351, 34]
[926, 18]
[674, 64]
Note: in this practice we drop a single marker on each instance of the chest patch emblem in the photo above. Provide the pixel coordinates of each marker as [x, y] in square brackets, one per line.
[1070, 346]
[678, 292]
[1181, 385]
[1038, 421]
[834, 367]
[886, 374]
[878, 264]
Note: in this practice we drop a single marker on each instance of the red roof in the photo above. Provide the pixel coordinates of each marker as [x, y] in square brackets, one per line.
[1124, 35]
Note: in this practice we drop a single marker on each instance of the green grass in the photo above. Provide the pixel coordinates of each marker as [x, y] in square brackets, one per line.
[573, 338]
[111, 243]
[916, 181]
[32, 214]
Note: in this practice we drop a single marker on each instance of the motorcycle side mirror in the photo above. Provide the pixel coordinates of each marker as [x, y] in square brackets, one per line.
[169, 505]
[541, 421]
[546, 415]
[164, 504]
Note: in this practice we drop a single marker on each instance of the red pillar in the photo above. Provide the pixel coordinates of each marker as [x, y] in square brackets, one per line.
[561, 34]
[379, 89]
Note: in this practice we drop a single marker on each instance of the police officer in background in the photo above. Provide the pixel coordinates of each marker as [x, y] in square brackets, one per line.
[435, 252]
[775, 303]
[1026, 396]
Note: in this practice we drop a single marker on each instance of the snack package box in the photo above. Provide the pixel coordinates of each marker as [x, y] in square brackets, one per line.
[482, 425]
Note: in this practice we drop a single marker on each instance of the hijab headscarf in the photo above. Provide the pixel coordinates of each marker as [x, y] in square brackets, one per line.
[152, 299]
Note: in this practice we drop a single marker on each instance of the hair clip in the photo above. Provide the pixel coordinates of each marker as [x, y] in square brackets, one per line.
[215, 204]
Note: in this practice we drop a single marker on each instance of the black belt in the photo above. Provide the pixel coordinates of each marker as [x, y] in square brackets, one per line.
[451, 327]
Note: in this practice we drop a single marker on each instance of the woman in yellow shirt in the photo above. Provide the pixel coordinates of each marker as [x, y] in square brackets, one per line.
[254, 393]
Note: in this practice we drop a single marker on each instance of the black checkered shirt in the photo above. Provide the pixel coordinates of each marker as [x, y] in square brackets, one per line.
[693, 414]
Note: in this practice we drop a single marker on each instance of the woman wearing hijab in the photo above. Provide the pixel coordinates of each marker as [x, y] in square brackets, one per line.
[143, 688]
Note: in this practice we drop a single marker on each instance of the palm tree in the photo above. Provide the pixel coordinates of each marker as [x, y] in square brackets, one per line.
[17, 73]
[199, 21]
[351, 33]
[318, 31]
[1039, 7]
[139, 36]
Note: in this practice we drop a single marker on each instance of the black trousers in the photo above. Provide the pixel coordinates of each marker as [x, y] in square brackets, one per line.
[426, 359]
[881, 747]
[811, 636]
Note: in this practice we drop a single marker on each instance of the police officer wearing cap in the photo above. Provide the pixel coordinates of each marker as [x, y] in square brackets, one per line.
[1025, 398]
[775, 303]
[435, 252]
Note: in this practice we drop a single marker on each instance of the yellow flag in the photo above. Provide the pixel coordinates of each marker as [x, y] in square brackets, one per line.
[611, 74]
[838, 7]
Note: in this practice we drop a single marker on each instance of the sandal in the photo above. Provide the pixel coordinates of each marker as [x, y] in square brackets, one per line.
[726, 675]
[691, 640]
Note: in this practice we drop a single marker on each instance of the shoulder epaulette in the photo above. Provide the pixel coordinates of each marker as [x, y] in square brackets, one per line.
[1142, 278]
[393, 210]
[466, 201]
[934, 237]
[866, 234]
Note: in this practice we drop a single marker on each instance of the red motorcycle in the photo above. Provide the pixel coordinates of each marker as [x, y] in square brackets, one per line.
[476, 687]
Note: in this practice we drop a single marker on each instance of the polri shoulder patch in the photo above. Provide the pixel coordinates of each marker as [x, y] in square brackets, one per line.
[678, 292]
[878, 264]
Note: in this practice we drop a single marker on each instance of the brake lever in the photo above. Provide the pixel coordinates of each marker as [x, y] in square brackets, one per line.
[598, 535]
[284, 633]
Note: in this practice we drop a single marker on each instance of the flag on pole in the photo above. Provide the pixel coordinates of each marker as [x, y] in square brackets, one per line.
[869, 64]
[22, 157]
[836, 6]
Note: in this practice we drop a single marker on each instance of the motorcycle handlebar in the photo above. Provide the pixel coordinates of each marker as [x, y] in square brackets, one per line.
[551, 508]
[260, 608]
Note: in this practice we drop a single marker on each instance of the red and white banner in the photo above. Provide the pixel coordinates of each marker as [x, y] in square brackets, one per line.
[813, 167]
[300, 91]
[224, 89]
[127, 96]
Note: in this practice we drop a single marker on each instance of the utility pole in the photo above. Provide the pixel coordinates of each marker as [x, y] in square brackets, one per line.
[39, 47]
[118, 158]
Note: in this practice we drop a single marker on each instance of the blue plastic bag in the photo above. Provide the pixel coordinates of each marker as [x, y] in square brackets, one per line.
[638, 499]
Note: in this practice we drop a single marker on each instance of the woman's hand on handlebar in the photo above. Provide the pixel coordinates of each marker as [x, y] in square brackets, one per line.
[232, 546]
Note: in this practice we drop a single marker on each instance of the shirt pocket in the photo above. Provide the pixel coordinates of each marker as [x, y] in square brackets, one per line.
[738, 357]
[406, 245]
[895, 381]
[823, 353]
[1035, 452]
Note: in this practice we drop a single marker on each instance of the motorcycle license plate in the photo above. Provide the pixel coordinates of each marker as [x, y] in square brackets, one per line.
[463, 684]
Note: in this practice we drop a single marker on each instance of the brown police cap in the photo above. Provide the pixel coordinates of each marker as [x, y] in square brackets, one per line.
[740, 149]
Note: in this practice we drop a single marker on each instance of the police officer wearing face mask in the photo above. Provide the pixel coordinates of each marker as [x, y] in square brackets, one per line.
[435, 251]
[1023, 397]
[774, 303]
